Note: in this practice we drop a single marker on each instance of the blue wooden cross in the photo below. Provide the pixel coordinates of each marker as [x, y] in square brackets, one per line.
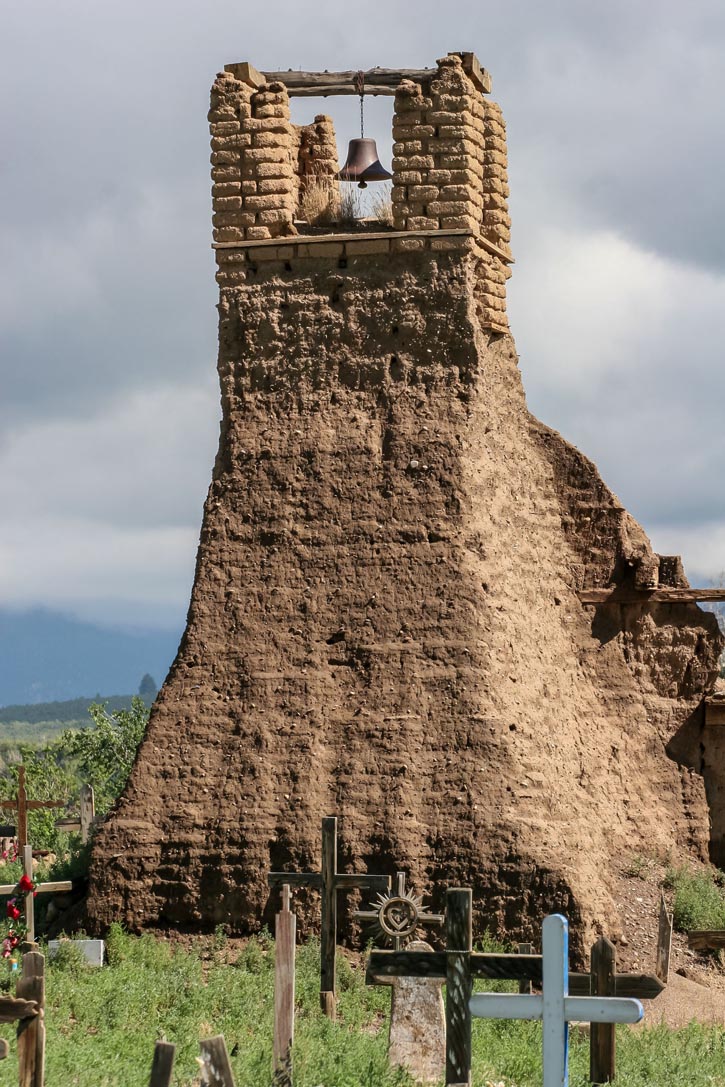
[555, 1007]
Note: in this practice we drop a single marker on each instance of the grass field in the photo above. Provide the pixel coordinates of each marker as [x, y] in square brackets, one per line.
[102, 1025]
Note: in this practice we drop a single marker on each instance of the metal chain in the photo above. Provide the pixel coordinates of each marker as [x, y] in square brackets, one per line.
[360, 83]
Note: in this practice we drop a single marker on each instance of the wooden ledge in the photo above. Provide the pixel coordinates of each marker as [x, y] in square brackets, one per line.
[649, 596]
[311, 240]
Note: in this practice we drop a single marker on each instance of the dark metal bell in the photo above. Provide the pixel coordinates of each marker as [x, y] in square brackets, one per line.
[362, 163]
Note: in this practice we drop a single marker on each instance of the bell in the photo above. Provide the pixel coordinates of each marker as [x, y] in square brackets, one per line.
[362, 163]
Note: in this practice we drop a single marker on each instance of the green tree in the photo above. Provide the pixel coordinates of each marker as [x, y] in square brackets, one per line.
[104, 753]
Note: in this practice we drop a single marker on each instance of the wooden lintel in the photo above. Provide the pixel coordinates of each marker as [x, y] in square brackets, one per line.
[478, 75]
[649, 596]
[246, 73]
[376, 81]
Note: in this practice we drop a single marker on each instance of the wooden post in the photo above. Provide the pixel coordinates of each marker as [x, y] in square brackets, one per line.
[31, 1032]
[284, 991]
[216, 1070]
[29, 901]
[459, 985]
[163, 1064]
[524, 985]
[328, 930]
[664, 943]
[603, 970]
[87, 813]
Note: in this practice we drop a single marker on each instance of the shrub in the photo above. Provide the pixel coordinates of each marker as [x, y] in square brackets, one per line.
[699, 900]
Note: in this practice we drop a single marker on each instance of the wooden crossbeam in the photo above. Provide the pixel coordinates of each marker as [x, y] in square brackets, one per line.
[378, 81]
[11, 1008]
[649, 596]
[706, 939]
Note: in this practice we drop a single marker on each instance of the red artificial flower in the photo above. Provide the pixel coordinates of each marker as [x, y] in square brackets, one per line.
[12, 911]
[26, 884]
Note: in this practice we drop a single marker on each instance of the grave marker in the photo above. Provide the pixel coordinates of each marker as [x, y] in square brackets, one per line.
[329, 881]
[555, 1007]
[31, 1031]
[664, 943]
[284, 991]
[22, 806]
[465, 965]
[163, 1064]
[86, 815]
[28, 897]
[396, 917]
[417, 1038]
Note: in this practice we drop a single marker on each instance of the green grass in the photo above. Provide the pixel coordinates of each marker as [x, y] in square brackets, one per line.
[102, 1025]
[699, 899]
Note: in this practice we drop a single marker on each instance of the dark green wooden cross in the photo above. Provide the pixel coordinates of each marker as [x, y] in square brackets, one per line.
[328, 882]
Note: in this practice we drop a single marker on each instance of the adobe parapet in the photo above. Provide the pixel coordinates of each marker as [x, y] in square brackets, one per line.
[449, 190]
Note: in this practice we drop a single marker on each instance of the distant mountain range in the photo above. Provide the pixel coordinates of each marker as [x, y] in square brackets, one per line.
[49, 657]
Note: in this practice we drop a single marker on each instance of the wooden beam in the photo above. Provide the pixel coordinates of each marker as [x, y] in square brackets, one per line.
[619, 595]
[246, 73]
[706, 939]
[12, 1008]
[478, 75]
[377, 81]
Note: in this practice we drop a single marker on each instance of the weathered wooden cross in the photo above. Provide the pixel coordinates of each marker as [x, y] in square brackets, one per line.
[459, 965]
[28, 897]
[555, 1007]
[86, 814]
[22, 806]
[329, 881]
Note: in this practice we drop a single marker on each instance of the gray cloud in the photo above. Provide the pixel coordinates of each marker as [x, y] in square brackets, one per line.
[109, 412]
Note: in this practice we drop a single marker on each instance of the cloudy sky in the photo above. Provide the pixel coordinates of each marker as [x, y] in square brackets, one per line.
[109, 408]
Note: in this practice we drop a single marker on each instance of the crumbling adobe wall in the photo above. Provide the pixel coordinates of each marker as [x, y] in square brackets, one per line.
[384, 624]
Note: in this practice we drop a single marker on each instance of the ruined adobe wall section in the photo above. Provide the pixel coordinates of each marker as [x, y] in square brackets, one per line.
[254, 161]
[384, 624]
[317, 152]
[450, 172]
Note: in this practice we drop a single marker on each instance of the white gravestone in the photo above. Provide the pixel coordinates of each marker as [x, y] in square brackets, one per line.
[417, 1023]
[555, 1007]
[92, 950]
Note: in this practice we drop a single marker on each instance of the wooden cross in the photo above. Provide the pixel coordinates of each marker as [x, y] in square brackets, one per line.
[329, 881]
[459, 965]
[397, 916]
[555, 1007]
[22, 806]
[28, 899]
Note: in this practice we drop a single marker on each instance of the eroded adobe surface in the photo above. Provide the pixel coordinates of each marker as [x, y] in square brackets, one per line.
[384, 624]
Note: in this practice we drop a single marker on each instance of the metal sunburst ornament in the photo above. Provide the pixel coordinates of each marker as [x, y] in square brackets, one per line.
[395, 917]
